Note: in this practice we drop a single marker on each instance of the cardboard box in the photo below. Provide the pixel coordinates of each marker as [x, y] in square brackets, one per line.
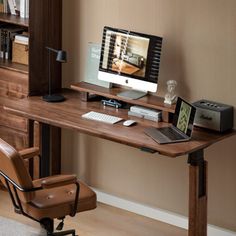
[20, 53]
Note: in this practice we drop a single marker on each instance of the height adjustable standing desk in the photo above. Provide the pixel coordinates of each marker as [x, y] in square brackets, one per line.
[68, 115]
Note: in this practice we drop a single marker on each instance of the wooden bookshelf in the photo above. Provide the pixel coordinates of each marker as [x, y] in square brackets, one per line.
[13, 19]
[18, 81]
[9, 65]
[16, 21]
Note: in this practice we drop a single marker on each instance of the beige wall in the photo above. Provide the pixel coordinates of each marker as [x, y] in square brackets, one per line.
[199, 51]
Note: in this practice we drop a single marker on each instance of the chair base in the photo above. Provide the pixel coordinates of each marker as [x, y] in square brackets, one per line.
[62, 233]
[48, 225]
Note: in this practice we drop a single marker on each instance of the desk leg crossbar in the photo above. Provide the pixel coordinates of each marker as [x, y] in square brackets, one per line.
[197, 194]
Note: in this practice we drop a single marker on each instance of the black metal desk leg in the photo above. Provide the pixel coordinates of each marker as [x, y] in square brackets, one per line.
[197, 194]
[45, 162]
[31, 144]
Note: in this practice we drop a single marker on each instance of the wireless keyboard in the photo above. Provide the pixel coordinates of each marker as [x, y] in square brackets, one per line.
[97, 116]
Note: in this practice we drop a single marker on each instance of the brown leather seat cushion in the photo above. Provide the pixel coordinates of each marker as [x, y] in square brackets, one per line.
[58, 202]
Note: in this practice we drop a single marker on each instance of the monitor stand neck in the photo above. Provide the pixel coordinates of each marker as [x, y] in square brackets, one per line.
[132, 94]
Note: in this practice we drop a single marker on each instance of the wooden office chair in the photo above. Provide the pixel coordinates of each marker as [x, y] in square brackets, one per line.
[45, 199]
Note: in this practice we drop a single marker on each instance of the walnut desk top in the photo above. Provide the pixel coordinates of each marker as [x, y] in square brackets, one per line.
[68, 115]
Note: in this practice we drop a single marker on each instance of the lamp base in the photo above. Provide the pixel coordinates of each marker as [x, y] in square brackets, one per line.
[53, 98]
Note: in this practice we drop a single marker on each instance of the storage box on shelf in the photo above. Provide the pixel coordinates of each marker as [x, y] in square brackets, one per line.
[20, 53]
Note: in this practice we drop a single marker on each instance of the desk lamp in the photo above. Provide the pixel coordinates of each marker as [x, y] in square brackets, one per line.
[61, 57]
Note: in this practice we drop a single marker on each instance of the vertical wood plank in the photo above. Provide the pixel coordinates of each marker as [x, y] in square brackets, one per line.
[45, 27]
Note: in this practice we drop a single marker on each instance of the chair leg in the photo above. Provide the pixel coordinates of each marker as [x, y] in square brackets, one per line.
[48, 225]
[62, 233]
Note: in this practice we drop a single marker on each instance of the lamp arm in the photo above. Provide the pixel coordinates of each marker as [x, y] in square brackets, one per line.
[61, 57]
[52, 49]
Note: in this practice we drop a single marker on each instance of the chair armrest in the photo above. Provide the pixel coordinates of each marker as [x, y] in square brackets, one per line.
[29, 153]
[58, 180]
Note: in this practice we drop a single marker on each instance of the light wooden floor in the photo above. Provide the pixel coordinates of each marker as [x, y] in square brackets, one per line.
[104, 221]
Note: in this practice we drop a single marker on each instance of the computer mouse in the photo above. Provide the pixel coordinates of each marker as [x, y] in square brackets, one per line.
[129, 122]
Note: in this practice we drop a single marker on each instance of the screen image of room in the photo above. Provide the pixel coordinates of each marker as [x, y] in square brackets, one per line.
[127, 53]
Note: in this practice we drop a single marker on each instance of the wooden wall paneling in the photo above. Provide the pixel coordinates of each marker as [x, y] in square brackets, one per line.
[45, 27]
[45, 30]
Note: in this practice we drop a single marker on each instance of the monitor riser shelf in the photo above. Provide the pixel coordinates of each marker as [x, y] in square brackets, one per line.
[150, 101]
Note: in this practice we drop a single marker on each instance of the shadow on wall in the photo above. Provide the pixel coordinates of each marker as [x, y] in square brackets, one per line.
[79, 155]
[71, 42]
[173, 66]
[72, 153]
[221, 183]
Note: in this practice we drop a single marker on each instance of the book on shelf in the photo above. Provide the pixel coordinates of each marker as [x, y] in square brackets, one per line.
[27, 8]
[24, 8]
[1, 6]
[11, 33]
[6, 8]
[2, 43]
[7, 35]
[22, 39]
[17, 7]
[12, 6]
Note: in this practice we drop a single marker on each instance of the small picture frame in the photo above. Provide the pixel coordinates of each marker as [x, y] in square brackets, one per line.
[92, 66]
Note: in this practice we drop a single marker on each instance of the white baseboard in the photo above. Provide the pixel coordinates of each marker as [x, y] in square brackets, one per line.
[157, 214]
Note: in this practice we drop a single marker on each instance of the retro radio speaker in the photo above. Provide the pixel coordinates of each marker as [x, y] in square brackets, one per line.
[213, 115]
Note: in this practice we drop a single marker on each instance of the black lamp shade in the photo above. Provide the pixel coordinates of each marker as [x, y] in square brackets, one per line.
[61, 56]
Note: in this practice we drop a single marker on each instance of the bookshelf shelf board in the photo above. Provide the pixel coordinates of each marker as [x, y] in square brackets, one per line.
[12, 19]
[14, 66]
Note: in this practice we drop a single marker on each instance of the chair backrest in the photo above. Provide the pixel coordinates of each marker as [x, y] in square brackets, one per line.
[12, 165]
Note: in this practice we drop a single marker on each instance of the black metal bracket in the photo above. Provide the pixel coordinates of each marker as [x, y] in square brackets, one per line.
[31, 144]
[45, 163]
[197, 159]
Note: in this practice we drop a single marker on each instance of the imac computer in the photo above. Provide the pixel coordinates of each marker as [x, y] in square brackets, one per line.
[130, 59]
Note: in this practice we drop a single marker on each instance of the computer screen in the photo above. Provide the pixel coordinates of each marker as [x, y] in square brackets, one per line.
[130, 58]
[184, 116]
